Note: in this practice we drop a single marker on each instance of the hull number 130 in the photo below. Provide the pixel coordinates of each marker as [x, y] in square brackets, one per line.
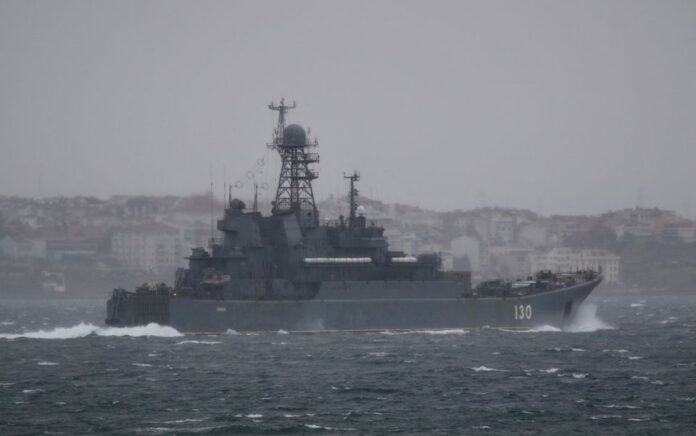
[522, 311]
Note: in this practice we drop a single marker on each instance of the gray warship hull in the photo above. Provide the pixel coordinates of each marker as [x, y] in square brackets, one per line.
[345, 306]
[292, 271]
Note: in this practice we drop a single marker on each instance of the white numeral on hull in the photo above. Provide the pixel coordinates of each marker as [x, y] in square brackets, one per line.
[522, 311]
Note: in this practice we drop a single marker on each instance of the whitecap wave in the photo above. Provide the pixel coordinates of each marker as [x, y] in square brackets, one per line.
[483, 368]
[426, 332]
[444, 332]
[549, 371]
[82, 330]
[198, 342]
[598, 417]
[620, 406]
[566, 350]
[539, 329]
[46, 363]
[319, 427]
[620, 350]
[184, 421]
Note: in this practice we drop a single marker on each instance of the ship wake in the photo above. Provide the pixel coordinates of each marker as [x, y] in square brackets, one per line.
[82, 330]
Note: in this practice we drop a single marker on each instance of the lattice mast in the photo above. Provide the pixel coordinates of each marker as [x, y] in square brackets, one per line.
[294, 192]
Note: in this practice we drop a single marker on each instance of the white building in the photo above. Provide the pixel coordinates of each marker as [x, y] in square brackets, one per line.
[564, 259]
[679, 232]
[496, 228]
[152, 247]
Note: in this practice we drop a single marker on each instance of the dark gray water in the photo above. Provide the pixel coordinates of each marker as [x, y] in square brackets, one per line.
[628, 369]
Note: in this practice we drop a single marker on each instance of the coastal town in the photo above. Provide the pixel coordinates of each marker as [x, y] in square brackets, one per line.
[86, 246]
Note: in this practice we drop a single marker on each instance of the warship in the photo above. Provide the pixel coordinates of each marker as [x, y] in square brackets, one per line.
[290, 271]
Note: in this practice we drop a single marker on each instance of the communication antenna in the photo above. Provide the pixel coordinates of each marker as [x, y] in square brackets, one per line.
[282, 109]
[256, 195]
[352, 194]
[338, 201]
[255, 208]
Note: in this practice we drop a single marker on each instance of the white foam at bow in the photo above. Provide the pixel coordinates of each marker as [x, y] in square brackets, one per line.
[586, 320]
[81, 330]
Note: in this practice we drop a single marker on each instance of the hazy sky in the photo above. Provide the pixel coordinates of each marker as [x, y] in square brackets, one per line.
[558, 106]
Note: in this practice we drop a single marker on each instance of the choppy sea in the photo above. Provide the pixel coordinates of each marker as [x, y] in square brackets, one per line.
[626, 366]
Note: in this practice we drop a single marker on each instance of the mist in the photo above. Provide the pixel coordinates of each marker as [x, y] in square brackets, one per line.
[501, 236]
[570, 108]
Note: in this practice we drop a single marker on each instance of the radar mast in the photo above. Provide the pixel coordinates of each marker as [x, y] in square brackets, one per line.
[294, 192]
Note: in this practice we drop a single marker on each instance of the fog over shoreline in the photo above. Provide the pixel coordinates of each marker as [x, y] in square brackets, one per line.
[559, 108]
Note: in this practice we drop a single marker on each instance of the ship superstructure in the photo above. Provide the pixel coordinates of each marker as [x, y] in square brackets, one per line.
[288, 254]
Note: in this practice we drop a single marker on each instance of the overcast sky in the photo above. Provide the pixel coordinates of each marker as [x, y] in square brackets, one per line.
[555, 106]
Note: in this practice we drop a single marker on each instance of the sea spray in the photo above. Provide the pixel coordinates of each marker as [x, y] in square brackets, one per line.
[82, 330]
[586, 320]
